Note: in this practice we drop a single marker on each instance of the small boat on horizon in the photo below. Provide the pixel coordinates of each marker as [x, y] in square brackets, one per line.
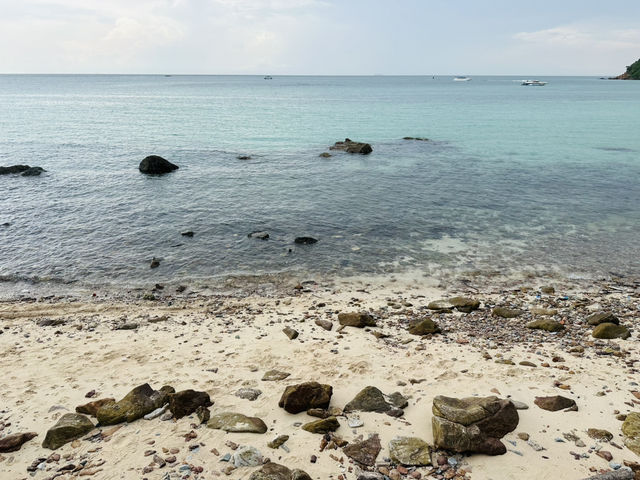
[462, 79]
[533, 83]
[268, 77]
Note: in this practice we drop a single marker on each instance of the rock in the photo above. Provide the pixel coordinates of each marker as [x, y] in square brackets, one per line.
[600, 434]
[14, 169]
[13, 442]
[204, 414]
[631, 431]
[262, 235]
[92, 408]
[462, 304]
[188, 233]
[301, 397]
[244, 157]
[602, 317]
[186, 402]
[274, 376]
[305, 240]
[369, 399]
[324, 425]
[247, 457]
[278, 441]
[417, 139]
[155, 263]
[291, 333]
[410, 451]
[236, 422]
[51, 322]
[426, 326]
[136, 404]
[520, 405]
[326, 324]
[546, 324]
[398, 400]
[32, 172]
[506, 312]
[523, 436]
[473, 424]
[126, 326]
[325, 155]
[358, 320]
[549, 290]
[69, 427]
[350, 146]
[250, 394]
[274, 471]
[610, 331]
[554, 403]
[155, 165]
[543, 312]
[364, 452]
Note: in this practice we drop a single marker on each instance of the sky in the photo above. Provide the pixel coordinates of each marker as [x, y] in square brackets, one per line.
[320, 37]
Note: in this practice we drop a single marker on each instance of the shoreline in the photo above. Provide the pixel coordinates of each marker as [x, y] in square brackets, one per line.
[222, 341]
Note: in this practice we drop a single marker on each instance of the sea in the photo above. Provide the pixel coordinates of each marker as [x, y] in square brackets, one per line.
[512, 179]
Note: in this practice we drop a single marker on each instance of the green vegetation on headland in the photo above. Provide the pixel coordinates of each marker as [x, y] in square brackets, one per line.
[632, 73]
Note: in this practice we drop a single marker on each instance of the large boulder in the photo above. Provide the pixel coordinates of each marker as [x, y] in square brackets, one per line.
[597, 318]
[631, 431]
[473, 424]
[609, 331]
[302, 397]
[371, 399]
[135, 404]
[358, 320]
[274, 471]
[555, 403]
[364, 452]
[410, 451]
[186, 402]
[155, 165]
[350, 146]
[69, 427]
[236, 422]
[13, 442]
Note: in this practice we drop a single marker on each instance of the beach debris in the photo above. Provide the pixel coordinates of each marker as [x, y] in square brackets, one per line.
[301, 397]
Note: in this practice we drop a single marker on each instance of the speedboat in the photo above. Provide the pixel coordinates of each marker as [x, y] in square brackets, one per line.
[533, 83]
[461, 79]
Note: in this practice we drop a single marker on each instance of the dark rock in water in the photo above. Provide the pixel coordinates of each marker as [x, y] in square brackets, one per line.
[505, 312]
[274, 471]
[186, 402]
[418, 139]
[358, 320]
[425, 326]
[14, 169]
[305, 240]
[473, 424]
[155, 165]
[350, 146]
[364, 452]
[546, 324]
[155, 263]
[6, 224]
[610, 331]
[244, 157]
[324, 425]
[262, 235]
[325, 155]
[33, 172]
[136, 404]
[69, 427]
[188, 233]
[92, 408]
[554, 403]
[13, 442]
[302, 397]
[602, 317]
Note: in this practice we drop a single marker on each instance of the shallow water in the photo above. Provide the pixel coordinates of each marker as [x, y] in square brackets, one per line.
[514, 178]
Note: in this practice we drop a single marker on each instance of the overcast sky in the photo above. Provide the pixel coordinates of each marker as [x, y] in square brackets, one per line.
[363, 37]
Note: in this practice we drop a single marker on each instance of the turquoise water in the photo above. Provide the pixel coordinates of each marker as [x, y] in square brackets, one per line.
[513, 179]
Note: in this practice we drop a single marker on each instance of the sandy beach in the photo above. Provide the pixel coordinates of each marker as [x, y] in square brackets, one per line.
[57, 353]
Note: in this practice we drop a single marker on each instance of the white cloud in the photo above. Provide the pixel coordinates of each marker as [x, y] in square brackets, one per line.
[572, 36]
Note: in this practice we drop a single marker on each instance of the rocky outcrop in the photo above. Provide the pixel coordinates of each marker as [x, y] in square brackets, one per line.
[260, 234]
[358, 320]
[631, 431]
[274, 471]
[302, 397]
[13, 442]
[609, 331]
[473, 424]
[136, 404]
[350, 146]
[364, 452]
[371, 399]
[426, 326]
[632, 73]
[237, 422]
[555, 403]
[23, 170]
[186, 402]
[155, 165]
[410, 451]
[69, 427]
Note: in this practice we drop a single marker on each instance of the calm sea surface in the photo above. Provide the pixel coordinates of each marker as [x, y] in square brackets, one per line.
[514, 178]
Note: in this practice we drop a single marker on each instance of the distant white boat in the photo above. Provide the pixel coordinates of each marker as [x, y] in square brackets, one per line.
[461, 79]
[533, 83]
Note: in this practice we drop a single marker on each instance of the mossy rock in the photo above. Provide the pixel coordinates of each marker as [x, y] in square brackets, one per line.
[410, 451]
[237, 422]
[505, 312]
[135, 404]
[610, 331]
[69, 427]
[546, 324]
[324, 425]
[602, 317]
[425, 326]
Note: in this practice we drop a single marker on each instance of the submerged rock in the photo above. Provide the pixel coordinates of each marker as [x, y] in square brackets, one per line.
[69, 427]
[156, 165]
[136, 404]
[14, 169]
[32, 172]
[410, 451]
[305, 240]
[350, 146]
[13, 442]
[301, 397]
[359, 320]
[260, 234]
[610, 331]
[236, 422]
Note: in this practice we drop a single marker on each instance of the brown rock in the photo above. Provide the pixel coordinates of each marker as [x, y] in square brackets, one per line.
[92, 408]
[13, 442]
[302, 397]
[358, 320]
[554, 403]
[364, 452]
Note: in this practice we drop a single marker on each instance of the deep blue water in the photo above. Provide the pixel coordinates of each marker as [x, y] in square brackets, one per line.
[513, 179]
